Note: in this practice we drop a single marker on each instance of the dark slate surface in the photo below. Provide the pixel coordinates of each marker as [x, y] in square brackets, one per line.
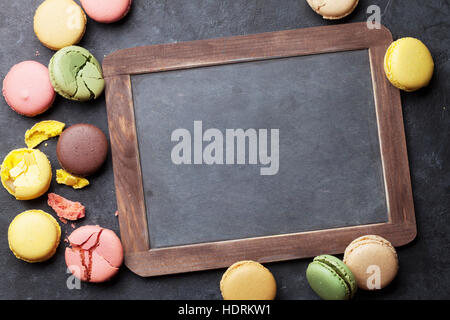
[426, 113]
[329, 168]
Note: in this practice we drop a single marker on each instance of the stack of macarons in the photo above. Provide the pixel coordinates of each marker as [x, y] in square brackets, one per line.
[30, 88]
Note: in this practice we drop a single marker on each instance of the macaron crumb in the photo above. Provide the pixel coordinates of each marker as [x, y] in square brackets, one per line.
[65, 209]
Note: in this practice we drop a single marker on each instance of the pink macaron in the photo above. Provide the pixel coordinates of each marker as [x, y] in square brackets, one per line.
[106, 11]
[95, 254]
[27, 88]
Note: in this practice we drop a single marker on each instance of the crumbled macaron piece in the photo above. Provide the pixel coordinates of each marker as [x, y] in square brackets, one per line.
[42, 131]
[26, 173]
[63, 177]
[64, 208]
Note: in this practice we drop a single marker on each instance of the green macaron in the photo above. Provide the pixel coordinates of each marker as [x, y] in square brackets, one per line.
[75, 74]
[330, 278]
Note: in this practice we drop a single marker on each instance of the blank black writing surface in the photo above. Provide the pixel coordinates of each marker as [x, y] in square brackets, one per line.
[325, 169]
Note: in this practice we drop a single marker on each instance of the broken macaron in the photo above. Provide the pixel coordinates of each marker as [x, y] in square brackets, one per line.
[95, 253]
[76, 74]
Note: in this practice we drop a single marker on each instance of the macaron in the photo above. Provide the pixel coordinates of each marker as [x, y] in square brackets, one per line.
[373, 260]
[106, 11]
[248, 280]
[95, 255]
[330, 278]
[66, 209]
[408, 64]
[333, 9]
[33, 236]
[26, 173]
[27, 88]
[75, 74]
[82, 149]
[59, 23]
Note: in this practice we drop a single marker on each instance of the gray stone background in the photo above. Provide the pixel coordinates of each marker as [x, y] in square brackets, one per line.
[424, 264]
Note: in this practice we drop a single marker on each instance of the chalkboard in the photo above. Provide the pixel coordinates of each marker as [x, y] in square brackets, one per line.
[329, 163]
[266, 147]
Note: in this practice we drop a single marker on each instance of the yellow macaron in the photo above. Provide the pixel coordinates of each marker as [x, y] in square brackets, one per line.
[248, 280]
[34, 235]
[59, 23]
[26, 173]
[408, 64]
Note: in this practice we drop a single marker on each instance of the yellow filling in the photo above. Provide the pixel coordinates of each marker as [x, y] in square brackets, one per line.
[33, 236]
[63, 177]
[42, 131]
[26, 173]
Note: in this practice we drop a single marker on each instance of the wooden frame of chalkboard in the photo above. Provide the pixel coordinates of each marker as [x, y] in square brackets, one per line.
[118, 68]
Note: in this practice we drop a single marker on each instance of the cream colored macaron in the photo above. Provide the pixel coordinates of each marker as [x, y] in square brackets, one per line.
[33, 236]
[372, 260]
[333, 9]
[248, 280]
[408, 64]
[59, 23]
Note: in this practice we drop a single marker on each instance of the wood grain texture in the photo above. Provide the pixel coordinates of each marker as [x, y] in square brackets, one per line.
[126, 163]
[268, 45]
[140, 258]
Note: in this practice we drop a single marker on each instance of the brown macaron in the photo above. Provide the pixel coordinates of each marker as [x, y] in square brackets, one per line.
[82, 149]
[372, 260]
